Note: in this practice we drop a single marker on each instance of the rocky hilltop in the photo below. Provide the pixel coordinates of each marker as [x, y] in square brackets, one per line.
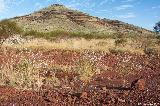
[59, 17]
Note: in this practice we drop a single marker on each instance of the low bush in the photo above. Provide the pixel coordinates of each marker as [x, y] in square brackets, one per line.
[120, 41]
[34, 33]
[47, 35]
[158, 37]
[115, 51]
[93, 35]
[150, 51]
[60, 33]
[81, 35]
[85, 70]
[8, 28]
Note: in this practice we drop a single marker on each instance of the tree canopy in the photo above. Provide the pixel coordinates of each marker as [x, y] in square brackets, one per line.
[157, 27]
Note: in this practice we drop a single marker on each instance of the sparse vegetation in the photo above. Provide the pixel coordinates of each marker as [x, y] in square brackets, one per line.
[60, 33]
[22, 76]
[34, 33]
[46, 35]
[125, 69]
[151, 51]
[120, 41]
[8, 28]
[115, 51]
[85, 70]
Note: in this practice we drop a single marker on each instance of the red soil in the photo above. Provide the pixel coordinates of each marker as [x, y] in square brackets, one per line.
[110, 87]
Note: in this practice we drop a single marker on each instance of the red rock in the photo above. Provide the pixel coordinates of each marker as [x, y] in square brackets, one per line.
[140, 85]
[84, 95]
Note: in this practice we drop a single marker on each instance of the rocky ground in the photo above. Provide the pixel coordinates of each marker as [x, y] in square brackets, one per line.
[121, 79]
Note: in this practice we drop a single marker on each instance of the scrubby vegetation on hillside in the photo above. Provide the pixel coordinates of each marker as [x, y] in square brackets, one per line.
[8, 28]
[60, 33]
[131, 42]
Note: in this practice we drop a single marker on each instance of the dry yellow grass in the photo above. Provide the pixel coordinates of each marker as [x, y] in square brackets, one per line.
[82, 44]
[66, 44]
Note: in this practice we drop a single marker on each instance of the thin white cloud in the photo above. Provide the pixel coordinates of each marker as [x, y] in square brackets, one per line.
[157, 16]
[103, 12]
[128, 0]
[48, 0]
[2, 6]
[14, 2]
[5, 4]
[137, 2]
[124, 7]
[156, 7]
[78, 4]
[126, 16]
[103, 2]
[71, 4]
[38, 5]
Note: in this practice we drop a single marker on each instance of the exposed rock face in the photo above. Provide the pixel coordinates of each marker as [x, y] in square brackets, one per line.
[58, 17]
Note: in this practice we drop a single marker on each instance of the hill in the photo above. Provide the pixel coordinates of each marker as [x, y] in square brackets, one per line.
[64, 28]
[59, 17]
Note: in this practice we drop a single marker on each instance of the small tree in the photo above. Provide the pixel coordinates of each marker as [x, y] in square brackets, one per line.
[7, 29]
[157, 27]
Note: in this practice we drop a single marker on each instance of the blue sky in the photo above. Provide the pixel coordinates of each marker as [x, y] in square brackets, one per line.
[143, 13]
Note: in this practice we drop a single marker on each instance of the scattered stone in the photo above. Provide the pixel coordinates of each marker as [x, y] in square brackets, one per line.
[121, 100]
[84, 95]
[140, 85]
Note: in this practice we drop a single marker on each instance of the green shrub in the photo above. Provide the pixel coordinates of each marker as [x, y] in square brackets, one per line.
[158, 37]
[34, 33]
[79, 35]
[58, 33]
[23, 75]
[151, 51]
[120, 41]
[115, 51]
[8, 28]
[47, 35]
[85, 70]
[93, 35]
[61, 33]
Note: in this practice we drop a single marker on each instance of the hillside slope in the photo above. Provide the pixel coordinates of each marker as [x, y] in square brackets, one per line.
[59, 17]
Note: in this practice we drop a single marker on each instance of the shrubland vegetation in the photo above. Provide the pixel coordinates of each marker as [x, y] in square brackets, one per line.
[28, 74]
[61, 33]
[146, 42]
[8, 28]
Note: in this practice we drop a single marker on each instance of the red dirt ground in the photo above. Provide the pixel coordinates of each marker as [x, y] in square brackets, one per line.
[111, 87]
